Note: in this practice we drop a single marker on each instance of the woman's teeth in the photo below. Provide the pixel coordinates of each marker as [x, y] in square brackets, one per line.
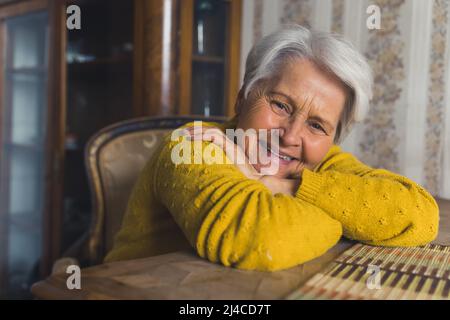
[280, 156]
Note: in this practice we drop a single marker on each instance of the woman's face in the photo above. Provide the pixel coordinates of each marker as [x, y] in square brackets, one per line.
[305, 104]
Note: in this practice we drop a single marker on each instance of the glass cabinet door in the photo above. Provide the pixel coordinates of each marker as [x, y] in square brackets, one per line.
[99, 63]
[209, 46]
[23, 140]
[208, 57]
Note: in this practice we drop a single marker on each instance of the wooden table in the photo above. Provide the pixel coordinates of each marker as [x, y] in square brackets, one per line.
[183, 275]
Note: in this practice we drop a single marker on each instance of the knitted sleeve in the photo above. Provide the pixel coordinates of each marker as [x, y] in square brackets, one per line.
[236, 221]
[374, 206]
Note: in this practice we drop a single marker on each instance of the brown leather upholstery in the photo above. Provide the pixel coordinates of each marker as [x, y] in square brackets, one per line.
[114, 158]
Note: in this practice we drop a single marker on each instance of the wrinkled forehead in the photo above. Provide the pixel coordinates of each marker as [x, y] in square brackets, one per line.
[305, 85]
[301, 76]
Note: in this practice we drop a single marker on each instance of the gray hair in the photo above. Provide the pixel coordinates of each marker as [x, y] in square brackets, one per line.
[327, 50]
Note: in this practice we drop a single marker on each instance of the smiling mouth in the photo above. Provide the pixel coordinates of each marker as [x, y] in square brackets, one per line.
[278, 155]
[282, 157]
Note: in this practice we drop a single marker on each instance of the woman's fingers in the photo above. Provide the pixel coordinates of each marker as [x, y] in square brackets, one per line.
[221, 141]
[234, 152]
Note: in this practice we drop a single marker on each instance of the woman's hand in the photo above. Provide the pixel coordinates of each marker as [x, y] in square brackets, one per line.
[237, 155]
[232, 150]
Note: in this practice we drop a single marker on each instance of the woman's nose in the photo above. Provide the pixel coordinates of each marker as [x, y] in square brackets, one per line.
[292, 132]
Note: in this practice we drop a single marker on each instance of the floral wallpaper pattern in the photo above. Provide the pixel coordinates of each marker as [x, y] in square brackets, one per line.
[257, 20]
[295, 11]
[338, 16]
[436, 92]
[379, 143]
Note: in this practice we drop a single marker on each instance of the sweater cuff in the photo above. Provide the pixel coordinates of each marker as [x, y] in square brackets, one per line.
[310, 187]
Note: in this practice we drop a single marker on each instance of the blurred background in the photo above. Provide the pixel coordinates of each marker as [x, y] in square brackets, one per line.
[137, 58]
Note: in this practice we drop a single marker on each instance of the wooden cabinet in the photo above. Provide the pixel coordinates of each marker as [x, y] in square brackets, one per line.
[188, 61]
[209, 56]
[98, 92]
[58, 87]
[26, 110]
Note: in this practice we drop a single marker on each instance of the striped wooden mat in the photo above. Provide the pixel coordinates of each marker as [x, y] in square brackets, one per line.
[367, 272]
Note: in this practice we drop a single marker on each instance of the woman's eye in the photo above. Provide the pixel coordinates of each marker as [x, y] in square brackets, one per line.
[280, 106]
[317, 126]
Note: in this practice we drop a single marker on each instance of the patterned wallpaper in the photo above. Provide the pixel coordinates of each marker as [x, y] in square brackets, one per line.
[379, 144]
[258, 20]
[297, 12]
[436, 90]
[338, 16]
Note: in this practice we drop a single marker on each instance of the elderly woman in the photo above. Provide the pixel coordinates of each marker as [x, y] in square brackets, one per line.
[311, 87]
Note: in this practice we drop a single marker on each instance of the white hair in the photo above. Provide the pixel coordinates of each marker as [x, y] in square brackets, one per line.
[327, 50]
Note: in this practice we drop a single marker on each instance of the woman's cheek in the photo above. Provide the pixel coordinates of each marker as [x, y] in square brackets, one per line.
[314, 152]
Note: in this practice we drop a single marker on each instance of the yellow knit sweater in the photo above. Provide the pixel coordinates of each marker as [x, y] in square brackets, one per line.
[236, 221]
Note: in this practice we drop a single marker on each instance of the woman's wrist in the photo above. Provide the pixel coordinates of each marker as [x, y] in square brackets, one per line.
[281, 185]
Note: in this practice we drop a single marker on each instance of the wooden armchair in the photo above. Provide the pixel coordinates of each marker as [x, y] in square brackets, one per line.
[114, 158]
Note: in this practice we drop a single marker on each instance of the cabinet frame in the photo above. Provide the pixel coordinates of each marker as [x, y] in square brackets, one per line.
[232, 55]
[51, 183]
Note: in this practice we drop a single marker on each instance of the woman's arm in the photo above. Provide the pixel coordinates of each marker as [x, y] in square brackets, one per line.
[374, 206]
[215, 135]
[371, 203]
[237, 221]
[280, 185]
